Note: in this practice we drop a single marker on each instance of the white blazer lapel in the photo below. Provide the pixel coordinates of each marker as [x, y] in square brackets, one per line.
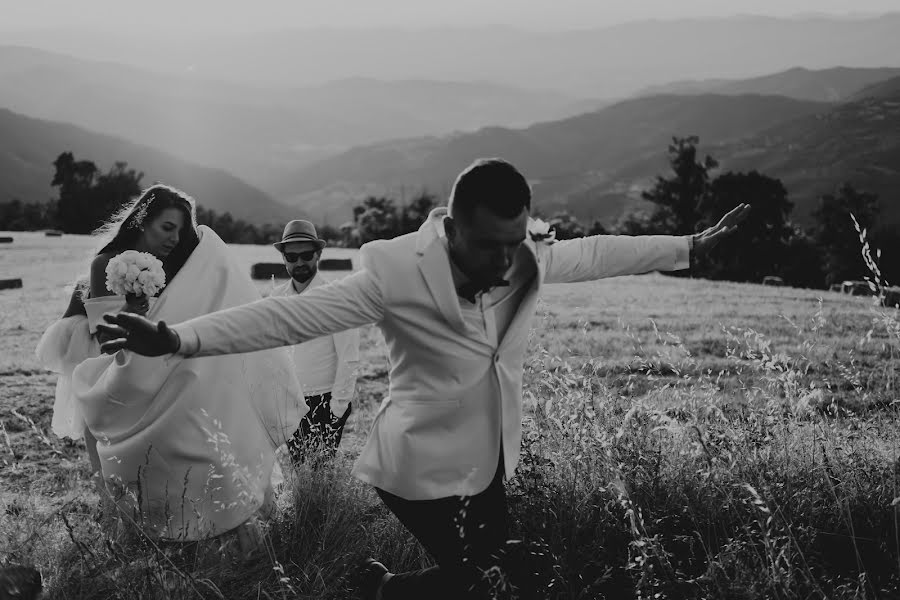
[536, 251]
[435, 267]
[525, 311]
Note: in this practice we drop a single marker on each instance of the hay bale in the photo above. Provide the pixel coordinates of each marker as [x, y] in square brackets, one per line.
[268, 270]
[336, 264]
[857, 288]
[10, 284]
[773, 280]
[6, 240]
[53, 233]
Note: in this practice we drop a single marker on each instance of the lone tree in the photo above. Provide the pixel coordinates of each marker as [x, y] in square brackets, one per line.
[689, 200]
[74, 180]
[87, 197]
[682, 196]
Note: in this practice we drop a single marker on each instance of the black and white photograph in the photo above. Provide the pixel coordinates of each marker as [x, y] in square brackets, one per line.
[432, 300]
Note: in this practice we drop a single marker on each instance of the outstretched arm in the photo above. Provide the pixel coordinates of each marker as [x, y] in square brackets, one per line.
[268, 323]
[600, 256]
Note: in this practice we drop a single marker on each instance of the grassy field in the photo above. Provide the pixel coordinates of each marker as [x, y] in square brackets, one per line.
[684, 438]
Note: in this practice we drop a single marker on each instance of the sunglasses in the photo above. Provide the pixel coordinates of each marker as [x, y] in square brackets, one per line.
[305, 256]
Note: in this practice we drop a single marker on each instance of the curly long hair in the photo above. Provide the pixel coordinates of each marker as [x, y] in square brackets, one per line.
[122, 231]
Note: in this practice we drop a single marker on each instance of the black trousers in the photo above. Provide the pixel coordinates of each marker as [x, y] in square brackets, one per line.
[464, 535]
[320, 431]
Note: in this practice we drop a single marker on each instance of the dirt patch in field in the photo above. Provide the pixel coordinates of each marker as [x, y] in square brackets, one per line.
[32, 459]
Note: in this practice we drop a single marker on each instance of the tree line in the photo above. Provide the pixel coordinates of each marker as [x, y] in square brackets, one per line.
[684, 201]
[689, 199]
[87, 197]
[769, 243]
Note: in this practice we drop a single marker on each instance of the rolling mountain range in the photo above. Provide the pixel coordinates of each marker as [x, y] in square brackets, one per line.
[884, 90]
[594, 62]
[857, 142]
[30, 146]
[232, 103]
[826, 85]
[251, 130]
[595, 165]
[563, 159]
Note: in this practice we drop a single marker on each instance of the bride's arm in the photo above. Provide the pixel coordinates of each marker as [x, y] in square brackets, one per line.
[98, 276]
[98, 284]
[76, 303]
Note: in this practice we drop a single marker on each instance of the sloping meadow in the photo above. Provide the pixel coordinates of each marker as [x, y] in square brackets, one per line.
[683, 439]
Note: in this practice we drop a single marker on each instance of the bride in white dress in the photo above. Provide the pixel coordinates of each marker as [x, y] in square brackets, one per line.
[170, 234]
[188, 444]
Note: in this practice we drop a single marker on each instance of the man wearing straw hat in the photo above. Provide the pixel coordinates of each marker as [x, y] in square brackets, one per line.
[326, 366]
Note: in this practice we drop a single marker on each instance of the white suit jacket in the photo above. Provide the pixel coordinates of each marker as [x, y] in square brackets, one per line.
[431, 438]
[346, 346]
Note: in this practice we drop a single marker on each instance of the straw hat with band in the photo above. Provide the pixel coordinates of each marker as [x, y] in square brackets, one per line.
[299, 230]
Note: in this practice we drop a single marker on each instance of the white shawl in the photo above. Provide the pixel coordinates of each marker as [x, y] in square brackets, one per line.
[192, 440]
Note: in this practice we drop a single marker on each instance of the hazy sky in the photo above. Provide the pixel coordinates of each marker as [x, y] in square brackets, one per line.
[265, 14]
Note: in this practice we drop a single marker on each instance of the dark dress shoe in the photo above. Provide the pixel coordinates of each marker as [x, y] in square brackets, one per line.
[19, 583]
[369, 578]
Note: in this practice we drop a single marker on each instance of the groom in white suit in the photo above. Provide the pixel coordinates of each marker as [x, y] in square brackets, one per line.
[455, 302]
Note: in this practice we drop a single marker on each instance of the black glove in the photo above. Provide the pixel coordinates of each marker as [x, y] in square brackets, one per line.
[127, 331]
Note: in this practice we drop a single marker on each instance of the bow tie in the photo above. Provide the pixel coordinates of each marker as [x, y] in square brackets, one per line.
[470, 289]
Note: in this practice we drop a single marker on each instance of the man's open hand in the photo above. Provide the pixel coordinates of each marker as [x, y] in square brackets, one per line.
[727, 225]
[127, 331]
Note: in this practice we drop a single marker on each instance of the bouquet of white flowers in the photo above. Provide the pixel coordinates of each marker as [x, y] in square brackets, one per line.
[134, 273]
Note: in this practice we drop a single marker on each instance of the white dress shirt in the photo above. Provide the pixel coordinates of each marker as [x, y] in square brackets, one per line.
[328, 363]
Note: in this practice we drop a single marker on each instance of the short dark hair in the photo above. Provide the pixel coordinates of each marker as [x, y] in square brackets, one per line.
[492, 183]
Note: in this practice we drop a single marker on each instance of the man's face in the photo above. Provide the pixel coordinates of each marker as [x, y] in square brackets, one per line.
[484, 245]
[301, 259]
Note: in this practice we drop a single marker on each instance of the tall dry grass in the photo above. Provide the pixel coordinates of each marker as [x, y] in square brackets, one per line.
[774, 475]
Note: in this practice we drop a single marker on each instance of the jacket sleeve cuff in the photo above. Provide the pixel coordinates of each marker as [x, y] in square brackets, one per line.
[683, 251]
[189, 341]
